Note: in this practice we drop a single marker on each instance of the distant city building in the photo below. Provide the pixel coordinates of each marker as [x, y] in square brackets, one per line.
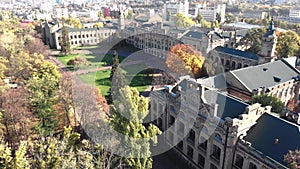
[171, 8]
[209, 13]
[61, 12]
[294, 12]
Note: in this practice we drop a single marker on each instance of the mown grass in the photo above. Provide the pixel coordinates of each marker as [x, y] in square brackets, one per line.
[101, 80]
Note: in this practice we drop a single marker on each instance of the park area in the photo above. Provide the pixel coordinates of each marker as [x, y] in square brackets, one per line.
[96, 69]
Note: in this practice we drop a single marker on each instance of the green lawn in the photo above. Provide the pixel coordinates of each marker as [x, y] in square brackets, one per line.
[101, 80]
[93, 61]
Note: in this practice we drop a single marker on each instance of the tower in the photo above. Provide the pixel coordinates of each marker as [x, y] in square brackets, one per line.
[268, 44]
[121, 20]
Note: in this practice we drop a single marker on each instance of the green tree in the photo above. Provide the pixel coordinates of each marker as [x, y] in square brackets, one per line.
[265, 100]
[230, 18]
[65, 41]
[288, 44]
[42, 87]
[117, 79]
[20, 159]
[199, 18]
[168, 15]
[214, 24]
[252, 40]
[183, 21]
[127, 118]
[130, 14]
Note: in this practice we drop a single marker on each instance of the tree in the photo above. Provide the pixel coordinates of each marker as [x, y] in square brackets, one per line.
[117, 79]
[183, 21]
[185, 59]
[98, 25]
[100, 14]
[64, 105]
[214, 24]
[36, 46]
[230, 18]
[41, 88]
[127, 118]
[16, 115]
[77, 62]
[292, 158]
[74, 22]
[252, 41]
[130, 14]
[65, 41]
[199, 18]
[288, 44]
[168, 15]
[265, 100]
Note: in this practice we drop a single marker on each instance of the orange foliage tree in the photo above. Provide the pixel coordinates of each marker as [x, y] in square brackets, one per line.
[185, 59]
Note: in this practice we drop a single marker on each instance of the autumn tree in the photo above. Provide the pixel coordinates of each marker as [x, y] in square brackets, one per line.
[288, 44]
[65, 41]
[183, 21]
[16, 115]
[77, 62]
[98, 25]
[185, 59]
[74, 22]
[292, 158]
[64, 100]
[127, 118]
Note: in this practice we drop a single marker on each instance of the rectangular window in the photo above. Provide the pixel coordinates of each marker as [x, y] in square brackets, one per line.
[203, 144]
[252, 166]
[191, 137]
[180, 145]
[172, 120]
[213, 166]
[201, 161]
[216, 152]
[190, 151]
[239, 160]
[181, 128]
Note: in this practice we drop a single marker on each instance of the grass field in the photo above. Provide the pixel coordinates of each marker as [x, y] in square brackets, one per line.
[93, 61]
[101, 80]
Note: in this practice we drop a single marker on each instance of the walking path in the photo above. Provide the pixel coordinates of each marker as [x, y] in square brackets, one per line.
[86, 71]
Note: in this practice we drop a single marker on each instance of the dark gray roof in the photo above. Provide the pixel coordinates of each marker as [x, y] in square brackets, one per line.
[218, 81]
[268, 128]
[130, 29]
[227, 106]
[195, 34]
[238, 53]
[87, 29]
[265, 75]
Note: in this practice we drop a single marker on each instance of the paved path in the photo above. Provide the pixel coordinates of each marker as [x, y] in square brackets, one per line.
[86, 71]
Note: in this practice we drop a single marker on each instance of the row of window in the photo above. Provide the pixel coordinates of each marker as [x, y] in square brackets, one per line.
[239, 162]
[233, 64]
[87, 41]
[201, 159]
[89, 35]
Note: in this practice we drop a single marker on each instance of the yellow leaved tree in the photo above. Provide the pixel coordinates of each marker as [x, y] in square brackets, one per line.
[184, 59]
